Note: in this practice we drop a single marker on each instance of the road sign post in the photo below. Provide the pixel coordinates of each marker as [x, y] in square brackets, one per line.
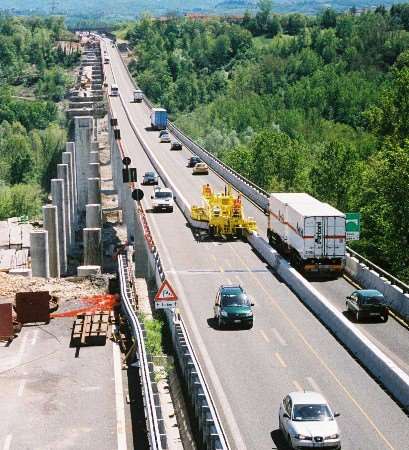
[166, 297]
[352, 226]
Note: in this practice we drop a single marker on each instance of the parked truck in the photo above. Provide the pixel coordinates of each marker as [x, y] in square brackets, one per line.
[310, 233]
[159, 119]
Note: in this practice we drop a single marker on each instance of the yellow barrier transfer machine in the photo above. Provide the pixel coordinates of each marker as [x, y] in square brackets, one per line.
[223, 212]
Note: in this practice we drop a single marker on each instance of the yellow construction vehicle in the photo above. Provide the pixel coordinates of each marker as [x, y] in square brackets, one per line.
[223, 212]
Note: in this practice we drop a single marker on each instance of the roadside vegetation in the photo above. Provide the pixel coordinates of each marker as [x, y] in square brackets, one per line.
[297, 103]
[32, 131]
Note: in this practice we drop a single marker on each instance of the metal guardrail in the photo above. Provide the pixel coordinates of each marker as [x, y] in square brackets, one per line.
[393, 280]
[213, 436]
[157, 439]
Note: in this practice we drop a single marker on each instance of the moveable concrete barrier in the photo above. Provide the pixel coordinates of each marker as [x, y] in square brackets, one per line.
[381, 367]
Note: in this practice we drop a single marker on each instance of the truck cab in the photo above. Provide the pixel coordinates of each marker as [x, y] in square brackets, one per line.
[162, 199]
[137, 96]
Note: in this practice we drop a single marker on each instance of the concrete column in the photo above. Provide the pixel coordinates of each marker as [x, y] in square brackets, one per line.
[93, 170]
[95, 145]
[67, 159]
[93, 216]
[57, 193]
[94, 157]
[70, 147]
[62, 173]
[94, 190]
[39, 254]
[92, 247]
[117, 174]
[83, 137]
[51, 225]
[128, 212]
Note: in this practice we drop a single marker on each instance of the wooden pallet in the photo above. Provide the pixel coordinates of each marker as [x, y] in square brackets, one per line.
[92, 329]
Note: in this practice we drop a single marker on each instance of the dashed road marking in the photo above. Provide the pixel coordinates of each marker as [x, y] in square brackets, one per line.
[313, 384]
[280, 359]
[297, 385]
[265, 336]
[279, 338]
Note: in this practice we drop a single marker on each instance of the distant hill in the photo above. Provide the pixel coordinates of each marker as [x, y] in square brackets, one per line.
[129, 9]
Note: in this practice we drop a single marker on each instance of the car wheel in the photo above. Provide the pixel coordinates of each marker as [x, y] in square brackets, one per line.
[290, 444]
[385, 316]
[171, 209]
[250, 326]
[219, 323]
[357, 316]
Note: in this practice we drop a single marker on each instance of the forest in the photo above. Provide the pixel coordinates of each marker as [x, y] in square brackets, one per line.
[315, 104]
[33, 78]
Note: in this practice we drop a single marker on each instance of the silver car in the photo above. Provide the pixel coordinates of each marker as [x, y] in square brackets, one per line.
[306, 421]
[165, 137]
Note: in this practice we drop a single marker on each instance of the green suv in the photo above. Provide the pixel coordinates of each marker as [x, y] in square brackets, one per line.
[367, 303]
[233, 307]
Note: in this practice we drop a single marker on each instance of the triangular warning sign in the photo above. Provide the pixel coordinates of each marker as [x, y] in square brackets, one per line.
[165, 292]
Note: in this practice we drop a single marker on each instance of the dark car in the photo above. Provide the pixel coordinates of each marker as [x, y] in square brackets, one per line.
[233, 307]
[150, 178]
[366, 303]
[193, 160]
[175, 145]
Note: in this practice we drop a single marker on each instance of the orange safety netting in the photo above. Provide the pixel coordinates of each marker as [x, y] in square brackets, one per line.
[104, 302]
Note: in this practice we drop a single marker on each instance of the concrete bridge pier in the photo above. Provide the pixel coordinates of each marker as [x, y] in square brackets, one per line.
[57, 193]
[39, 254]
[94, 190]
[62, 173]
[92, 247]
[50, 218]
[93, 216]
[83, 138]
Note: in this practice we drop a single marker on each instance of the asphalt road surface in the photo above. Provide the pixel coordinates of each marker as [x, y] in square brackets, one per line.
[249, 371]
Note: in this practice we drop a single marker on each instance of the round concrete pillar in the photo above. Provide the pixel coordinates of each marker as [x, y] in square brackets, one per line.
[94, 190]
[57, 193]
[51, 225]
[93, 170]
[39, 254]
[93, 217]
[92, 247]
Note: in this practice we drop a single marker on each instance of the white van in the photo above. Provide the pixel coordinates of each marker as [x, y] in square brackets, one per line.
[114, 90]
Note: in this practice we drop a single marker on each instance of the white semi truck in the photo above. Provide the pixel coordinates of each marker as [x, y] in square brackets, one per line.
[309, 232]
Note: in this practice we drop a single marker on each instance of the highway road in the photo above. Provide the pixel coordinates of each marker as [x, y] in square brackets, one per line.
[249, 371]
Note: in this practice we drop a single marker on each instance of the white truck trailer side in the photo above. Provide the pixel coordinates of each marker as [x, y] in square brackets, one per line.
[310, 232]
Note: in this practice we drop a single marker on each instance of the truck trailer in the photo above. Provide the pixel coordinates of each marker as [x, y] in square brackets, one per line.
[159, 118]
[310, 233]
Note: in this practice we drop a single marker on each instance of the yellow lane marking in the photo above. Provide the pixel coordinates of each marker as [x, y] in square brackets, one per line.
[280, 359]
[265, 336]
[318, 357]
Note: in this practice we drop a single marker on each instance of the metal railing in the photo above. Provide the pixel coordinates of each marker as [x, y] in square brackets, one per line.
[155, 437]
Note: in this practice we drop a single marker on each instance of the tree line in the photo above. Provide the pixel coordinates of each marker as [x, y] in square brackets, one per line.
[33, 77]
[296, 103]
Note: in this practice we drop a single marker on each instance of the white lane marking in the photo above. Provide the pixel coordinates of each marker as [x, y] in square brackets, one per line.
[265, 336]
[7, 442]
[280, 359]
[218, 387]
[279, 338]
[91, 388]
[313, 384]
[34, 340]
[21, 388]
[297, 385]
[119, 399]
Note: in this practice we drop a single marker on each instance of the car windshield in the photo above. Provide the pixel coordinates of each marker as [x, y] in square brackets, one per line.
[235, 297]
[163, 194]
[371, 300]
[311, 413]
[149, 174]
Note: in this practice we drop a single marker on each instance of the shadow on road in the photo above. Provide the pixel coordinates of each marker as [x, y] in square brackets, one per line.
[279, 441]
